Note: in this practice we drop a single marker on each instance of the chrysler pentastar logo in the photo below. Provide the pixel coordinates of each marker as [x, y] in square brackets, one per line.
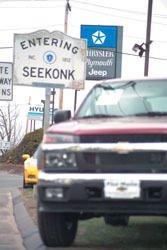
[98, 37]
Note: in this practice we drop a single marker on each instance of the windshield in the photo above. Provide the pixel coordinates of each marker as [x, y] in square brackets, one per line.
[144, 97]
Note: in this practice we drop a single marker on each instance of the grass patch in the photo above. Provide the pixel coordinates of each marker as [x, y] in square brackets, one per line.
[142, 233]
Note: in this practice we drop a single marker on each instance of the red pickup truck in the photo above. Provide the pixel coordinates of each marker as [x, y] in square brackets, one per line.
[109, 160]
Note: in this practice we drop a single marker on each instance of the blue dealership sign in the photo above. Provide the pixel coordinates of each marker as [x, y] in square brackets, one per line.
[104, 51]
[100, 36]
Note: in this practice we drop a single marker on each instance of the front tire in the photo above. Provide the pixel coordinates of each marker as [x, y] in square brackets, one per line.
[57, 229]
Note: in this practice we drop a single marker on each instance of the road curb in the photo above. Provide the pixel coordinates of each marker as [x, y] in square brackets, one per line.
[28, 230]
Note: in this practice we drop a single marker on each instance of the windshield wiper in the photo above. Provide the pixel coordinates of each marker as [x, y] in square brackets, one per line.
[151, 114]
[122, 86]
[98, 116]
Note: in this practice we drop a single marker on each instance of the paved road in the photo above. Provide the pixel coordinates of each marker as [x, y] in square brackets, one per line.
[10, 238]
[17, 231]
[10, 180]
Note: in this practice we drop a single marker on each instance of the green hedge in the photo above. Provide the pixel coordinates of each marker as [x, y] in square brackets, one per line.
[28, 145]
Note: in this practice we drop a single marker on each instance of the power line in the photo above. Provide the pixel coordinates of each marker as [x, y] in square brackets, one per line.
[99, 12]
[25, 2]
[109, 7]
[108, 14]
[84, 3]
[74, 26]
[117, 16]
[89, 10]
[29, 28]
[151, 57]
[123, 53]
[6, 47]
[142, 38]
[118, 9]
[32, 7]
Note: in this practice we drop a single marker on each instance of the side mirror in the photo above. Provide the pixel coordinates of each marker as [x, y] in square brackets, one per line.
[25, 156]
[62, 115]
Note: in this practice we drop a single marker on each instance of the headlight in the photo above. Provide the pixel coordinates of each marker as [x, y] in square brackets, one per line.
[60, 160]
[59, 138]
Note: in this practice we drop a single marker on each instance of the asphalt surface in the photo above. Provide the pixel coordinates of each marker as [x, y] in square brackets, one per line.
[10, 237]
[10, 180]
[17, 230]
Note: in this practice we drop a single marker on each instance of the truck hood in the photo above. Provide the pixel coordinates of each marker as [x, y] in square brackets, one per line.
[126, 125]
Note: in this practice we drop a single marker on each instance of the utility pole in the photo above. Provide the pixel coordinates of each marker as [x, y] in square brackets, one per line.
[67, 9]
[48, 90]
[148, 41]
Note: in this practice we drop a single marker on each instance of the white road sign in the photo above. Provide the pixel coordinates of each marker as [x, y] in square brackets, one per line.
[4, 145]
[6, 83]
[35, 112]
[46, 59]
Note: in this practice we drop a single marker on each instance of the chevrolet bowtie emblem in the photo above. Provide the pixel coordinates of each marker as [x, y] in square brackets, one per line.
[121, 188]
[123, 148]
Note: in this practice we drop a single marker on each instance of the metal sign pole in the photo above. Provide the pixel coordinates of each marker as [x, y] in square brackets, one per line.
[47, 108]
[148, 33]
[75, 100]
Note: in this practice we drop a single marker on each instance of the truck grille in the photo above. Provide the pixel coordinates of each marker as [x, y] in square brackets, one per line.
[129, 162]
[123, 138]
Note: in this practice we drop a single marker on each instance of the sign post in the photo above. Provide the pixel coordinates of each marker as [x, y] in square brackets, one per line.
[47, 109]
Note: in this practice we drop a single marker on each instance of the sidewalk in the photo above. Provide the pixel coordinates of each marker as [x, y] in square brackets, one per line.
[10, 238]
[17, 230]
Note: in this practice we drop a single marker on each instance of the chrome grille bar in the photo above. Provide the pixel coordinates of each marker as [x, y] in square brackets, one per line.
[120, 147]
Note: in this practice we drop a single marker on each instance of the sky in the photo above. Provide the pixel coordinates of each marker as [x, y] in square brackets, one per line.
[18, 17]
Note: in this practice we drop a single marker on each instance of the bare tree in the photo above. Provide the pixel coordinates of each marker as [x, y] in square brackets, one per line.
[10, 129]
